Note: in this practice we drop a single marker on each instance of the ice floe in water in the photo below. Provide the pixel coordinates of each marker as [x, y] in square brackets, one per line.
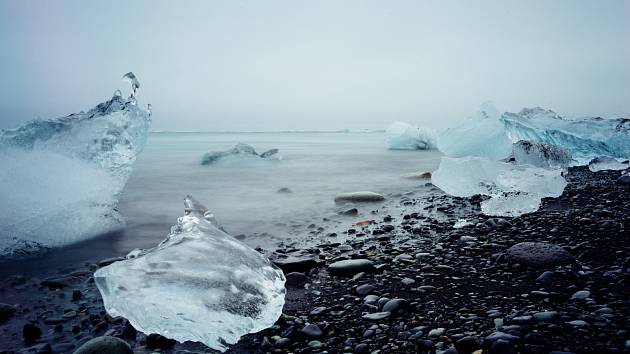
[60, 178]
[586, 137]
[513, 189]
[540, 155]
[606, 163]
[403, 136]
[200, 284]
[480, 135]
[239, 151]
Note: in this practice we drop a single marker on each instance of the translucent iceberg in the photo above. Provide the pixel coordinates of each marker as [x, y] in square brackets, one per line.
[60, 177]
[403, 136]
[586, 137]
[240, 150]
[540, 155]
[480, 135]
[200, 284]
[513, 189]
[606, 163]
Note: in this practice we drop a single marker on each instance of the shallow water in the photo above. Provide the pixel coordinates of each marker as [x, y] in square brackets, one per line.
[243, 192]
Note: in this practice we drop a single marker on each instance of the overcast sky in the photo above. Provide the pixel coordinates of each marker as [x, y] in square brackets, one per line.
[314, 65]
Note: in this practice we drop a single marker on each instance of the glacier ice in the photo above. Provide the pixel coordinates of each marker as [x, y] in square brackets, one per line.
[586, 137]
[606, 163]
[60, 177]
[403, 136]
[199, 284]
[540, 155]
[480, 135]
[240, 150]
[513, 189]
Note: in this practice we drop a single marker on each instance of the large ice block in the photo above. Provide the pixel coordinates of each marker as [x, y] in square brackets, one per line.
[540, 155]
[480, 135]
[403, 136]
[200, 284]
[513, 189]
[60, 178]
[586, 137]
[606, 163]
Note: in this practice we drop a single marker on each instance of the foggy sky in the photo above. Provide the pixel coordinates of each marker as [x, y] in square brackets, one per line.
[314, 65]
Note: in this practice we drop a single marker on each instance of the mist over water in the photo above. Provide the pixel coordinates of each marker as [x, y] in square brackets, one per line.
[243, 192]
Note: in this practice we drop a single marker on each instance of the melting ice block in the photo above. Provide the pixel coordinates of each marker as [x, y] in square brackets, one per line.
[586, 137]
[540, 155]
[60, 178]
[513, 189]
[239, 150]
[606, 163]
[200, 284]
[403, 136]
[480, 135]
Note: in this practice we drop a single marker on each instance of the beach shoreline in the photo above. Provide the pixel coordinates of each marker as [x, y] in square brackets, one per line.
[454, 288]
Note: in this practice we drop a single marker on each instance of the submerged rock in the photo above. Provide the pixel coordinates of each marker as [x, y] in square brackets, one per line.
[200, 284]
[358, 197]
[417, 175]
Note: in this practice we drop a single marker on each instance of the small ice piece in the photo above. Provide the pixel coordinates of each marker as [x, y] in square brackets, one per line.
[403, 136]
[540, 155]
[480, 135]
[60, 178]
[606, 163]
[199, 284]
[239, 150]
[461, 223]
[133, 80]
[586, 137]
[513, 189]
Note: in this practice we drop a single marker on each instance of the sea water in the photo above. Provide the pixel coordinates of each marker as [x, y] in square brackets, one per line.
[243, 192]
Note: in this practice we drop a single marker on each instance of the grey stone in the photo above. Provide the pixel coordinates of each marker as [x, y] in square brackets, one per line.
[351, 267]
[358, 197]
[538, 254]
[104, 345]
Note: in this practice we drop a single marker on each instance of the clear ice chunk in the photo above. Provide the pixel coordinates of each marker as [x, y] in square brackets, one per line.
[199, 284]
[513, 189]
[60, 178]
[480, 135]
[239, 151]
[540, 155]
[133, 80]
[606, 163]
[403, 136]
[586, 137]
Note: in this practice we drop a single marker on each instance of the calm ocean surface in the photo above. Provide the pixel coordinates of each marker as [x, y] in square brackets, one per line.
[243, 192]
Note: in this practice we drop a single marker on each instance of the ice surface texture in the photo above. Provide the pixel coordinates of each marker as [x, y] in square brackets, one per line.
[199, 284]
[606, 163]
[60, 177]
[240, 150]
[586, 137]
[540, 155]
[480, 135]
[513, 189]
[403, 136]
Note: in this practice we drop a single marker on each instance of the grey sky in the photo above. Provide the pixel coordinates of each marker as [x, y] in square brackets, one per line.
[283, 65]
